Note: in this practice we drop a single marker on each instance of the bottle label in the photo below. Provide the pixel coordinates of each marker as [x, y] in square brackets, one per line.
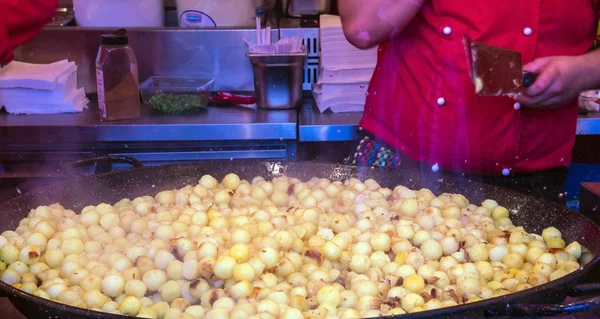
[192, 18]
[100, 87]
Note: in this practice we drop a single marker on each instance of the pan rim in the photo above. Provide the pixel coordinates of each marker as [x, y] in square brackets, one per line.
[492, 303]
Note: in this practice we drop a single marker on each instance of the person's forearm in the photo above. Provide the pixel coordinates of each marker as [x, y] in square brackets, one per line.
[590, 70]
[367, 23]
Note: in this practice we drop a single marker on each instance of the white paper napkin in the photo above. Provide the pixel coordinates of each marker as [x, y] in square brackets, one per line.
[66, 85]
[73, 103]
[341, 88]
[337, 52]
[345, 75]
[339, 103]
[34, 76]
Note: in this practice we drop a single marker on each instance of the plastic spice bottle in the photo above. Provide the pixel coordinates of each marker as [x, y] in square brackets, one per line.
[117, 78]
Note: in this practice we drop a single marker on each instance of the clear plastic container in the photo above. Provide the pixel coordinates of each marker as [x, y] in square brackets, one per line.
[176, 94]
[175, 85]
[117, 79]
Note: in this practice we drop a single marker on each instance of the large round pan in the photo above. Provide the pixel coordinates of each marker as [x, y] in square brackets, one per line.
[532, 213]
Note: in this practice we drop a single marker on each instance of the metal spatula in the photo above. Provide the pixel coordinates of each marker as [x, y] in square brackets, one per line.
[496, 71]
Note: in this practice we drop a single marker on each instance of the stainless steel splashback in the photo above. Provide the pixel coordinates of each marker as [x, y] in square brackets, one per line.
[299, 8]
[167, 52]
[69, 3]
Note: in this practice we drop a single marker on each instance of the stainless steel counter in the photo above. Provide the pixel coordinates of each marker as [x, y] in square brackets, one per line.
[328, 127]
[214, 124]
[321, 127]
[589, 124]
[37, 145]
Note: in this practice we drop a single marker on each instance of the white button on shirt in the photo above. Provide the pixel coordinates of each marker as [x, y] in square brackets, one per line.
[447, 30]
[441, 101]
[527, 31]
[517, 106]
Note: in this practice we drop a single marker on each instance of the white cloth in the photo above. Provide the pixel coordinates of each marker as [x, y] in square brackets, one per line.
[34, 76]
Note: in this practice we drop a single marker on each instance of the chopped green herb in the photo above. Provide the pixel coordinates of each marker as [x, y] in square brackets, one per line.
[177, 103]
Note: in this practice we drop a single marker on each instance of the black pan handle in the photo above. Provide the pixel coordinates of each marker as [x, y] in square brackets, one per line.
[70, 167]
[529, 78]
[584, 289]
[549, 310]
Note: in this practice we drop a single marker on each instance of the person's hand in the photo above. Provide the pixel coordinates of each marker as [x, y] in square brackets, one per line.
[559, 81]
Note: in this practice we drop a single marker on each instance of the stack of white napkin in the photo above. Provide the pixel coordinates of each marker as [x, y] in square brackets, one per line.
[344, 70]
[41, 88]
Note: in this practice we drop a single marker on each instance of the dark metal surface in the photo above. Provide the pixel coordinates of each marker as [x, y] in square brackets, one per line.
[71, 167]
[533, 214]
[589, 204]
[549, 310]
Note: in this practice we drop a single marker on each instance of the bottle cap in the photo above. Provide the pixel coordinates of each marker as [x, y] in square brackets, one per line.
[117, 38]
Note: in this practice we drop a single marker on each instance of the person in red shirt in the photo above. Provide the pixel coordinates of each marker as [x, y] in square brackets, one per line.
[421, 104]
[21, 20]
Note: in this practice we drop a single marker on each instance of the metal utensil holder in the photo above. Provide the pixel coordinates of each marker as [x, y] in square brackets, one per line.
[278, 79]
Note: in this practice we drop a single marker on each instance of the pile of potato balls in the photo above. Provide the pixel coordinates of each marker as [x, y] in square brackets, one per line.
[280, 248]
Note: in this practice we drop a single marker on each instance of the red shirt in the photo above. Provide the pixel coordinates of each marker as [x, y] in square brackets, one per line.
[21, 20]
[421, 100]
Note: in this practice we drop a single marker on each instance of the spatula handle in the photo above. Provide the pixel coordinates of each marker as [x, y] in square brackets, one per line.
[529, 78]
